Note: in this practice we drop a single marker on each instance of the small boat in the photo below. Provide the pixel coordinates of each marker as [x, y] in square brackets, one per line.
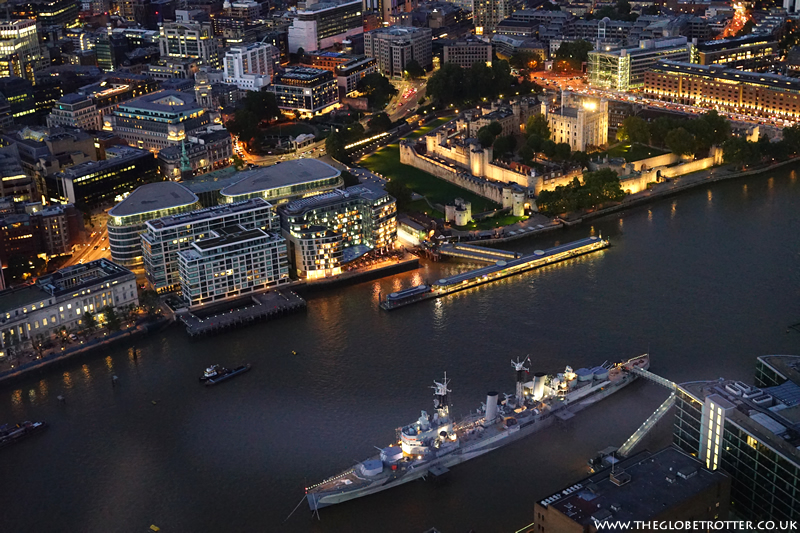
[11, 434]
[214, 371]
[227, 374]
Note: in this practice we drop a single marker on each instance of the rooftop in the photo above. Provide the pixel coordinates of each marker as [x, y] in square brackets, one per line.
[208, 213]
[292, 172]
[774, 81]
[164, 102]
[301, 73]
[230, 235]
[16, 297]
[154, 197]
[366, 191]
[640, 488]
[121, 156]
[74, 278]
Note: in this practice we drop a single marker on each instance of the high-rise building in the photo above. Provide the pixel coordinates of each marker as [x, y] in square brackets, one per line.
[14, 183]
[749, 52]
[750, 432]
[20, 53]
[157, 120]
[52, 15]
[232, 261]
[306, 91]
[165, 237]
[385, 10]
[99, 183]
[353, 71]
[126, 221]
[189, 40]
[200, 153]
[466, 52]
[330, 229]
[395, 46]
[624, 69]
[251, 66]
[324, 24]
[487, 14]
[75, 111]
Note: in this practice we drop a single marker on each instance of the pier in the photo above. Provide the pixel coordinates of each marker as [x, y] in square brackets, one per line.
[261, 307]
[476, 253]
[501, 269]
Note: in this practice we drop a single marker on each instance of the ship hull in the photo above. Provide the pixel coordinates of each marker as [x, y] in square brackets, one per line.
[470, 450]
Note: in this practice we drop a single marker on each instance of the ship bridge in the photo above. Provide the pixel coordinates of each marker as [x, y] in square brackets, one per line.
[653, 419]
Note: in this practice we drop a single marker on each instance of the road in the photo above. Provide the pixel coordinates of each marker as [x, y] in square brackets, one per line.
[95, 248]
[409, 94]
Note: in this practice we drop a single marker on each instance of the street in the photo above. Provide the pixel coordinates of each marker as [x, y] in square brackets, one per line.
[97, 246]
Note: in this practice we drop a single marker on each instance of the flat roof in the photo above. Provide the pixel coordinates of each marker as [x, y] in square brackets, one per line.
[229, 235]
[17, 297]
[719, 72]
[208, 213]
[292, 172]
[154, 197]
[367, 191]
[75, 278]
[163, 101]
[652, 483]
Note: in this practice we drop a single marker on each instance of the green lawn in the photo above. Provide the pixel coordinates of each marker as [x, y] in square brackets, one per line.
[633, 153]
[386, 162]
[422, 206]
[491, 223]
[428, 127]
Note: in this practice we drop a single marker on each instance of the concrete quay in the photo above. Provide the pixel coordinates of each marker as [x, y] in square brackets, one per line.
[264, 306]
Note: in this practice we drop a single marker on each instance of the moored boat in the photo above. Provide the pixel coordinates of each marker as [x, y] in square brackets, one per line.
[11, 434]
[435, 442]
[225, 374]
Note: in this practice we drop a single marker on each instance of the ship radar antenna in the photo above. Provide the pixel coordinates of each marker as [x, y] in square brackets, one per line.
[441, 388]
[521, 369]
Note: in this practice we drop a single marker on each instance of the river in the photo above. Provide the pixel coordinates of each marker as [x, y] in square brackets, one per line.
[705, 282]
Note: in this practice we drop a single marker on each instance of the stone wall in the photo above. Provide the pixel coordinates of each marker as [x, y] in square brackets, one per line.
[655, 161]
[480, 186]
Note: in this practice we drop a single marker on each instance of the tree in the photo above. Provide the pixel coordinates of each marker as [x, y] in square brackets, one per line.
[503, 145]
[89, 321]
[681, 142]
[535, 143]
[112, 320]
[414, 70]
[349, 179]
[149, 301]
[635, 130]
[562, 152]
[537, 126]
[378, 90]
[379, 123]
[571, 55]
[791, 136]
[549, 148]
[582, 158]
[256, 107]
[525, 60]
[495, 128]
[334, 145]
[21, 268]
[238, 162]
[400, 191]
[485, 137]
[739, 151]
[526, 153]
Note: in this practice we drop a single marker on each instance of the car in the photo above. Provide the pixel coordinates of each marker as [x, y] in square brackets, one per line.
[73, 337]
[81, 261]
[96, 247]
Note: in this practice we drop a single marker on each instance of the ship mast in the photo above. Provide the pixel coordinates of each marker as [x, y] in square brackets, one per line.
[440, 396]
[520, 368]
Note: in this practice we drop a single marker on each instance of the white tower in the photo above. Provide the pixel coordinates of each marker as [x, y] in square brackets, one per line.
[520, 368]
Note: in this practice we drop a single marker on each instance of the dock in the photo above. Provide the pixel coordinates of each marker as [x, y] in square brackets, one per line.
[259, 308]
[472, 252]
[501, 269]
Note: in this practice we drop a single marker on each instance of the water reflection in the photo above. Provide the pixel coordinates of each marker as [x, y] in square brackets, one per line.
[109, 363]
[32, 395]
[43, 389]
[650, 215]
[67, 380]
[709, 195]
[744, 190]
[86, 373]
[16, 397]
[672, 211]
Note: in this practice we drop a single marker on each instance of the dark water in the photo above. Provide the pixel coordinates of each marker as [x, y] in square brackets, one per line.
[706, 282]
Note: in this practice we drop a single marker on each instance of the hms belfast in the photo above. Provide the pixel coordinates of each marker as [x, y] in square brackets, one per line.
[436, 441]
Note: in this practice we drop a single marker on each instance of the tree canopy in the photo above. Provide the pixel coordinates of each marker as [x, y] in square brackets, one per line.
[400, 191]
[538, 126]
[597, 187]
[256, 107]
[378, 90]
[635, 130]
[453, 84]
[379, 123]
[572, 54]
[414, 70]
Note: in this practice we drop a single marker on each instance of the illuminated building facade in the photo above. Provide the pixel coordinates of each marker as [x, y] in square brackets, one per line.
[97, 183]
[324, 24]
[285, 182]
[232, 261]
[750, 432]
[113, 90]
[487, 14]
[57, 14]
[75, 111]
[731, 90]
[395, 46]
[126, 221]
[165, 237]
[320, 228]
[61, 299]
[204, 152]
[349, 74]
[251, 66]
[580, 126]
[14, 182]
[189, 40]
[750, 52]
[20, 53]
[624, 69]
[305, 90]
[157, 120]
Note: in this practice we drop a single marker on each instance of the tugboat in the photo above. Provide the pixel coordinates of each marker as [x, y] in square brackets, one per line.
[223, 374]
[11, 434]
[214, 371]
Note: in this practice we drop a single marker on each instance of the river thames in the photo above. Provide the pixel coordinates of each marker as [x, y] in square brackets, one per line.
[706, 282]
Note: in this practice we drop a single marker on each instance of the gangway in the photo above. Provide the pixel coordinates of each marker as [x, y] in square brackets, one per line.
[500, 254]
[651, 421]
[476, 253]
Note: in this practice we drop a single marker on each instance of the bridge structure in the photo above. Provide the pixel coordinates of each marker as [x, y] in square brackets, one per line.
[653, 419]
[476, 253]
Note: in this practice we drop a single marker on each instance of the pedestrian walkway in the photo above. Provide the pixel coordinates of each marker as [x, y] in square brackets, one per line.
[262, 307]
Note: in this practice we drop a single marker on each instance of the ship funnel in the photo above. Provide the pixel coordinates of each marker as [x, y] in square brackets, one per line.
[538, 385]
[491, 408]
